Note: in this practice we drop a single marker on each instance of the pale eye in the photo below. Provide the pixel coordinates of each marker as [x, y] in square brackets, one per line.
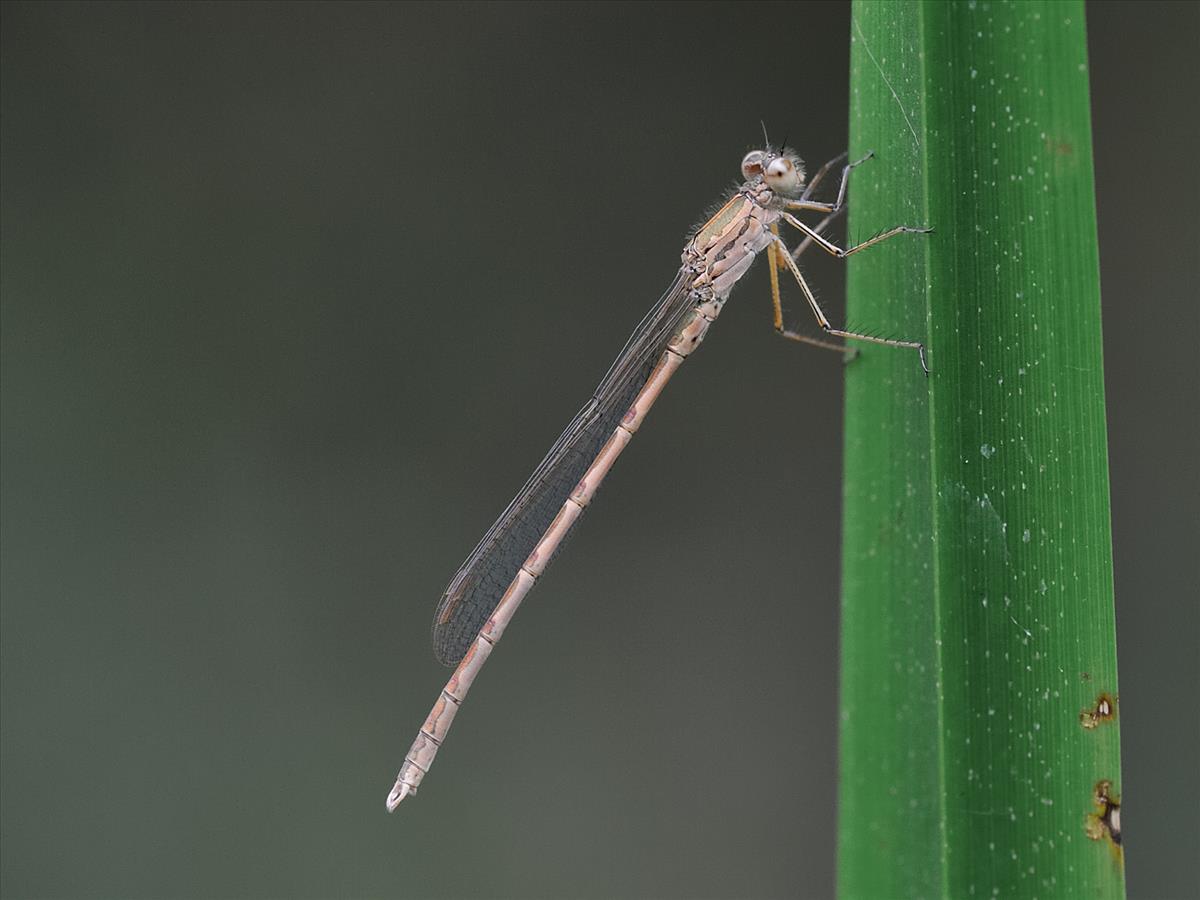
[752, 164]
[782, 176]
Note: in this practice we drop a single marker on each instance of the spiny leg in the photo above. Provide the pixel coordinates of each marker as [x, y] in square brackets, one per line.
[821, 173]
[774, 264]
[781, 251]
[805, 203]
[834, 250]
[819, 228]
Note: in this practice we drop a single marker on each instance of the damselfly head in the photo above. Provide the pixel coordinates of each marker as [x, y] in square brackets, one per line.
[782, 170]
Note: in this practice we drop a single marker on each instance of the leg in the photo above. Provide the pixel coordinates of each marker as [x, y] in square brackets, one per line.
[834, 250]
[805, 203]
[781, 251]
[774, 264]
[821, 173]
[820, 227]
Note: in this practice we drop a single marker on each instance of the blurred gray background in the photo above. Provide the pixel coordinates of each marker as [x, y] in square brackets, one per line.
[294, 297]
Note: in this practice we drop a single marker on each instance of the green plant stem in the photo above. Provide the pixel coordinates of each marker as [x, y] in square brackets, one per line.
[978, 602]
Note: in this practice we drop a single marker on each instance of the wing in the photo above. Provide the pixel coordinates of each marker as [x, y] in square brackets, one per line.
[482, 579]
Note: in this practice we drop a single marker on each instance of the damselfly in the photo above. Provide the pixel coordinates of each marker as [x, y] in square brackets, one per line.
[485, 592]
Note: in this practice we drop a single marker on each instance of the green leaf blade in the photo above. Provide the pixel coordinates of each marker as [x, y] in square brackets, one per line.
[978, 617]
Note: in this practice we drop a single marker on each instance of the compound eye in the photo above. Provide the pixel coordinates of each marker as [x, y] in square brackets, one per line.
[752, 164]
[783, 176]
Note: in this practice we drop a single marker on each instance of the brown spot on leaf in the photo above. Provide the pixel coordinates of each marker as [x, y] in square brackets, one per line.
[1105, 822]
[1105, 710]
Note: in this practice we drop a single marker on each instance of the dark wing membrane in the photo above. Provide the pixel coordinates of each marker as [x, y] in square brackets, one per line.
[480, 582]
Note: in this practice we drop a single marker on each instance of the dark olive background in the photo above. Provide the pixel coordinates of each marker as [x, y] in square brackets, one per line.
[295, 296]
